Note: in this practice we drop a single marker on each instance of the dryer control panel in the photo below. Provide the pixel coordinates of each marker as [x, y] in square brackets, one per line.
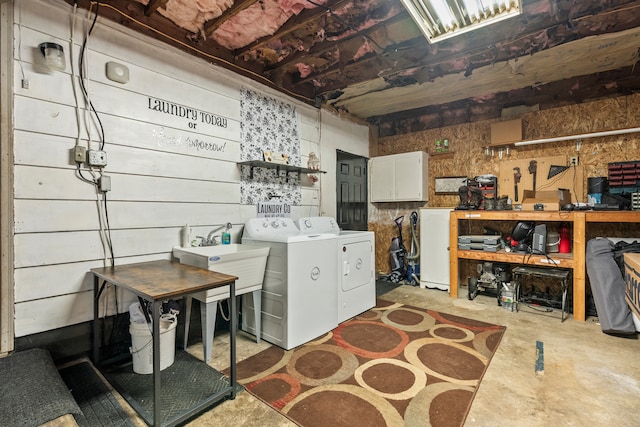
[318, 224]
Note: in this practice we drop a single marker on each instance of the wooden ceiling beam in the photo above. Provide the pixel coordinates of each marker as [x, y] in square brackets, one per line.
[238, 6]
[293, 24]
[477, 53]
[154, 5]
[321, 49]
[129, 14]
[586, 88]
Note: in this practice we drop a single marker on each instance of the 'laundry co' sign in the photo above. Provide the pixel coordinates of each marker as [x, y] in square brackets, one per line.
[273, 210]
[194, 115]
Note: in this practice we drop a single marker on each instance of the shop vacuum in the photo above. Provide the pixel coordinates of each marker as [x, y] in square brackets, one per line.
[399, 256]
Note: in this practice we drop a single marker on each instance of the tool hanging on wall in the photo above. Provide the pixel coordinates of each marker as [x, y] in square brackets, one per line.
[516, 179]
[533, 169]
[555, 170]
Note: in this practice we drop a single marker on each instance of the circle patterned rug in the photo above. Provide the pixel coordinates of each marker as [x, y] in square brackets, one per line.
[394, 365]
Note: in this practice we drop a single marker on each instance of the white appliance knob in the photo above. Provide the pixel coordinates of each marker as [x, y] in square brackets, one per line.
[265, 225]
[275, 224]
[307, 223]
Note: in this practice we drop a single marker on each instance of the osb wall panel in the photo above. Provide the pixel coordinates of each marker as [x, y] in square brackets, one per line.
[468, 156]
[571, 178]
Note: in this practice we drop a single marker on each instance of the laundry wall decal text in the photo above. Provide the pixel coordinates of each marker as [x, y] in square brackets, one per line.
[194, 115]
[164, 138]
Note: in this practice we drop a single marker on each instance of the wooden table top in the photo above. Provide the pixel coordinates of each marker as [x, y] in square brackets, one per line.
[163, 279]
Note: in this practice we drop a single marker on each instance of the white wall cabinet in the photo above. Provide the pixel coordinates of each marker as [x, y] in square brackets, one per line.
[399, 177]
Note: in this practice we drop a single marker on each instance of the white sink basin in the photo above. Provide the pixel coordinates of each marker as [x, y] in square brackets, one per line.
[247, 262]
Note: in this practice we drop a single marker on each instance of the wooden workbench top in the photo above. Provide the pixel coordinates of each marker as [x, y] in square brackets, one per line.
[164, 279]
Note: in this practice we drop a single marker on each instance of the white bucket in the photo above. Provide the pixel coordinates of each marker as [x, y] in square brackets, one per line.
[142, 346]
[553, 241]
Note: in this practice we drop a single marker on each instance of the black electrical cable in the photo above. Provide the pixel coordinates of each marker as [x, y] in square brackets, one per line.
[530, 252]
[539, 308]
[84, 89]
[106, 216]
[81, 176]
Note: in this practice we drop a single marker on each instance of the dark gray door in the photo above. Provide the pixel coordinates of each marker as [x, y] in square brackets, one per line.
[351, 188]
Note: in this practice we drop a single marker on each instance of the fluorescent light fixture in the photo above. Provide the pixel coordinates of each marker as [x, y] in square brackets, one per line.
[441, 19]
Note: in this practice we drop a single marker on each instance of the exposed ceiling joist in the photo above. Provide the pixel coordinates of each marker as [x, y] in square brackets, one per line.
[239, 6]
[366, 58]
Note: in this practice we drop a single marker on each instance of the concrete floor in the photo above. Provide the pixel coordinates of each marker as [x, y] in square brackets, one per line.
[589, 379]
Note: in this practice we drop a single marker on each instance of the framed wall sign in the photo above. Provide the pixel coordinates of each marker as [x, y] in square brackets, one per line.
[450, 184]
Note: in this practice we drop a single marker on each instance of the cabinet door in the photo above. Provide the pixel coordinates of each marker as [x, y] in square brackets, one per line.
[399, 177]
[381, 172]
[408, 177]
[434, 248]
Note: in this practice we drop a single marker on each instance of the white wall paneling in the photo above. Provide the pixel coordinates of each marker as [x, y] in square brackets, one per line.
[166, 170]
[72, 215]
[337, 134]
[58, 279]
[64, 310]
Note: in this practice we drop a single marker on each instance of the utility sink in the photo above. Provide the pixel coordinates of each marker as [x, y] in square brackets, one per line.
[247, 262]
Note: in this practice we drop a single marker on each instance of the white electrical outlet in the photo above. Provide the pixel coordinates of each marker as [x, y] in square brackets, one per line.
[97, 158]
[573, 161]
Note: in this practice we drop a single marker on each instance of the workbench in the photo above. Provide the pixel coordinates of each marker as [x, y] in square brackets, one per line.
[158, 281]
[580, 221]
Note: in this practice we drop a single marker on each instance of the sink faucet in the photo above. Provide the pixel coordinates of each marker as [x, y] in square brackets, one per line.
[211, 238]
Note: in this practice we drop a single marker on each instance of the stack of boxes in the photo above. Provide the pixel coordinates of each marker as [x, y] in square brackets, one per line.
[479, 243]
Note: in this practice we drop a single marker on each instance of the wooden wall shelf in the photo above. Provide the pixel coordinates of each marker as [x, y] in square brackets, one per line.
[447, 155]
[278, 167]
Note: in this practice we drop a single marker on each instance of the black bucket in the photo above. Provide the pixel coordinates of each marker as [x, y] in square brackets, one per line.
[597, 185]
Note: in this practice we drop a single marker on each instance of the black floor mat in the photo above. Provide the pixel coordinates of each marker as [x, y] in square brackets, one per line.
[99, 406]
[383, 286]
[185, 384]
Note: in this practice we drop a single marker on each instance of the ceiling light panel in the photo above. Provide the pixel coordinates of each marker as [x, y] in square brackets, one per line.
[441, 19]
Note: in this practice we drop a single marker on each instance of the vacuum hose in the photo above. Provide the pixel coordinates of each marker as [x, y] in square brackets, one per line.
[415, 246]
[414, 255]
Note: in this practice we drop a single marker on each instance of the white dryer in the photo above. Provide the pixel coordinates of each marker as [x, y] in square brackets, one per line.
[356, 265]
[299, 295]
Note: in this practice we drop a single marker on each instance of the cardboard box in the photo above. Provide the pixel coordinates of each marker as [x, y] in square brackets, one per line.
[545, 200]
[506, 132]
[632, 279]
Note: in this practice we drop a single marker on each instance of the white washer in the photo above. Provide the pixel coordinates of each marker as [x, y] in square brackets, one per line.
[356, 265]
[299, 295]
